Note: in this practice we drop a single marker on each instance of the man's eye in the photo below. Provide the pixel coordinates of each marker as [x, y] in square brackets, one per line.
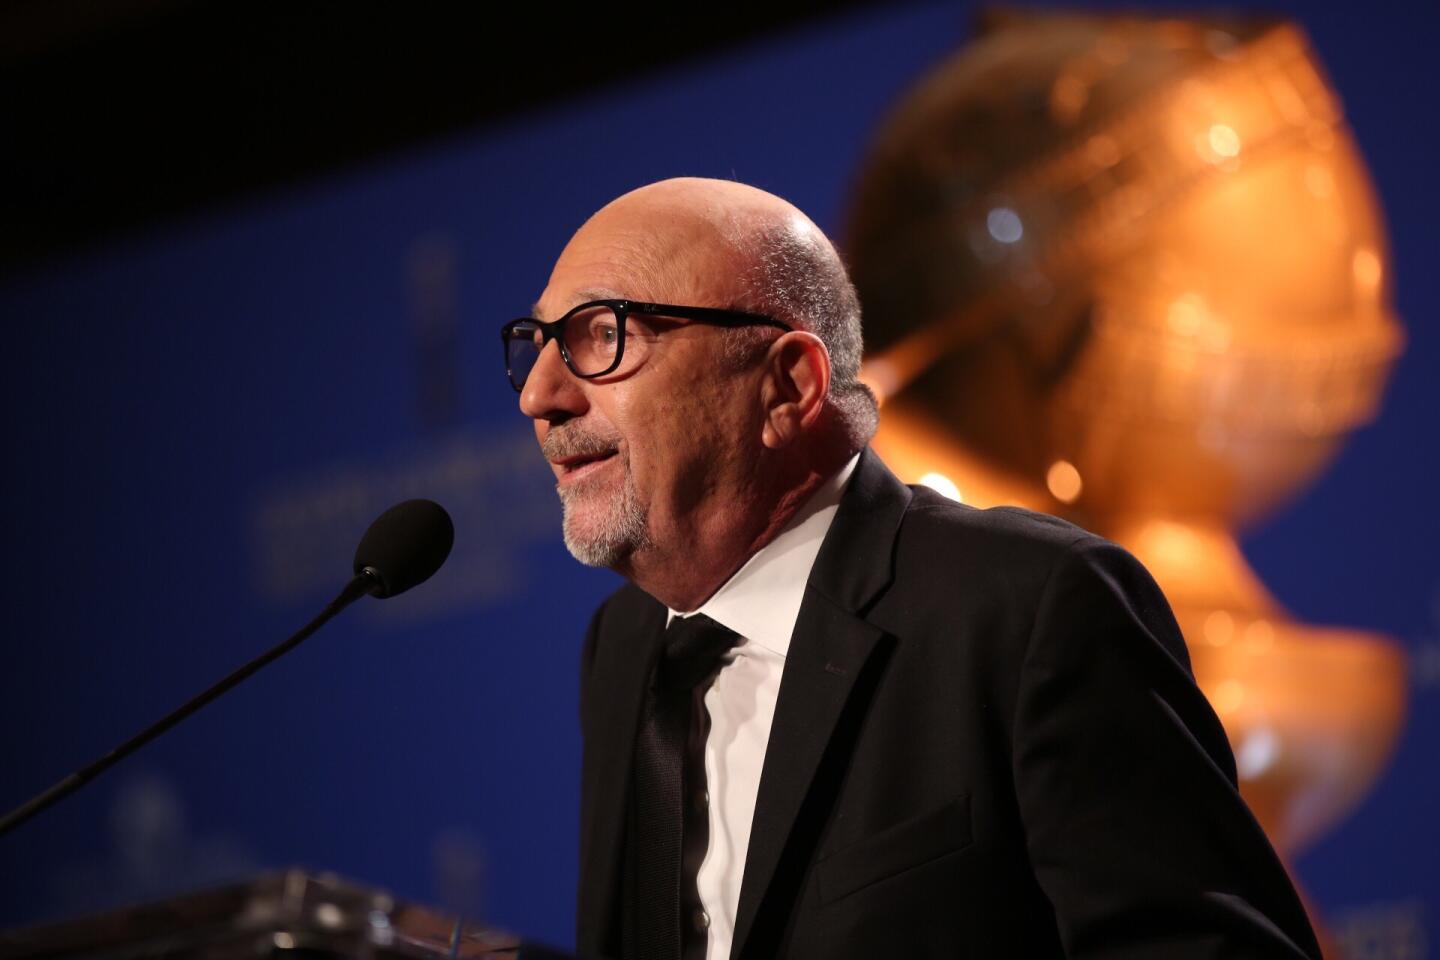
[605, 333]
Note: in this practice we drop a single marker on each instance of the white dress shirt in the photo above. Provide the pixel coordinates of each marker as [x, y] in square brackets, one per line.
[761, 603]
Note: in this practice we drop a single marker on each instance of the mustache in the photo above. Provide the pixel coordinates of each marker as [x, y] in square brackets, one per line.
[575, 440]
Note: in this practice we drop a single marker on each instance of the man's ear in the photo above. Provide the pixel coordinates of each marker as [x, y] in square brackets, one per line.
[797, 379]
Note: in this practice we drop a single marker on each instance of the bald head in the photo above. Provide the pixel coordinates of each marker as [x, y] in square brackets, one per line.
[726, 210]
[734, 245]
[689, 228]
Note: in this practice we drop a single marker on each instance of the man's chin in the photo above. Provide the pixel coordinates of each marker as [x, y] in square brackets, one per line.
[596, 550]
[603, 539]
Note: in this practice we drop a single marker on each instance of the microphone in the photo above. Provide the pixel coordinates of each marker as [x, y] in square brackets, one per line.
[401, 549]
[404, 546]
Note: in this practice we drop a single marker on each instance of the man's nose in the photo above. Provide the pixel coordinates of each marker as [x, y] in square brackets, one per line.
[551, 392]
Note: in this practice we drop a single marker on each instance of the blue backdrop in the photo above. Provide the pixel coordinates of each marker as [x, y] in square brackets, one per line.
[200, 422]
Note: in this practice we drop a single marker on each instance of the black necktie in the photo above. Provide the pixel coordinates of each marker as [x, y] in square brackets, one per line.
[661, 831]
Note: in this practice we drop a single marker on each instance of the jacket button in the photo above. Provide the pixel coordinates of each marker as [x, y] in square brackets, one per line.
[702, 920]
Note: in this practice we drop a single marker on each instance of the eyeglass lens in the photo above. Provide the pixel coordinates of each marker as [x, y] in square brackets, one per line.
[591, 337]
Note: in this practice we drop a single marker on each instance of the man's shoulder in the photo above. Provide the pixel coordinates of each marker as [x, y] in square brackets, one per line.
[949, 555]
[942, 528]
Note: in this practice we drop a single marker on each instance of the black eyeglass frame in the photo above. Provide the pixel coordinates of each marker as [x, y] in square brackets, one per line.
[552, 330]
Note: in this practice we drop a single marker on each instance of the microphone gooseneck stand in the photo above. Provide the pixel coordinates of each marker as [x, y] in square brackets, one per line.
[401, 549]
[362, 584]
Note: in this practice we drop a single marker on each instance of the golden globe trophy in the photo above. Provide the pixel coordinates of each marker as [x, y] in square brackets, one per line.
[1132, 271]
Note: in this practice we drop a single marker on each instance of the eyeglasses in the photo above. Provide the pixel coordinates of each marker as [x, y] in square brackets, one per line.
[606, 336]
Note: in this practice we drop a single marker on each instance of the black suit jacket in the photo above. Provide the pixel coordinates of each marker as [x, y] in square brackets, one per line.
[987, 743]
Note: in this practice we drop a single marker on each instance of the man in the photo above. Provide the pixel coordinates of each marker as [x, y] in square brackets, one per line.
[923, 729]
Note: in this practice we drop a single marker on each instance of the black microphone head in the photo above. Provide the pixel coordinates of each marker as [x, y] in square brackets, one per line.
[405, 546]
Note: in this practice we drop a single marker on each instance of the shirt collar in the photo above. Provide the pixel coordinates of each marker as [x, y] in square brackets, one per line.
[761, 601]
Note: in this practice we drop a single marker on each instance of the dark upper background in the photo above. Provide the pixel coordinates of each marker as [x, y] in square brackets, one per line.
[252, 258]
[119, 115]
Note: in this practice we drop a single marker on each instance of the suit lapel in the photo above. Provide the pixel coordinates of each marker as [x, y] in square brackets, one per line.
[620, 680]
[829, 650]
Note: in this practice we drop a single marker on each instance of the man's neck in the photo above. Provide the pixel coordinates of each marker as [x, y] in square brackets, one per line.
[687, 574]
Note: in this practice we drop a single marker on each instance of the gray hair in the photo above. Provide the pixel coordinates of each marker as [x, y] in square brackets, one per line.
[798, 278]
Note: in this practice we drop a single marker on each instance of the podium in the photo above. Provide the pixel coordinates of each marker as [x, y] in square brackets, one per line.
[286, 914]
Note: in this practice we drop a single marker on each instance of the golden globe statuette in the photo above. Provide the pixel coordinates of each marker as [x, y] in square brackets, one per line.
[1132, 271]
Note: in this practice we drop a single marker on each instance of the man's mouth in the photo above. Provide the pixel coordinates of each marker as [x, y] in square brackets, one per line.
[574, 468]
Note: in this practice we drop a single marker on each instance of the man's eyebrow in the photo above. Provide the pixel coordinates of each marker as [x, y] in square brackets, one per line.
[581, 296]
